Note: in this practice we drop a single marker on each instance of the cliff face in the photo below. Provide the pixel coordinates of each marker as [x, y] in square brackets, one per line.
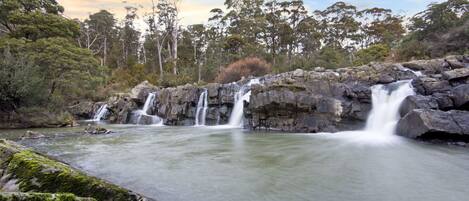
[305, 101]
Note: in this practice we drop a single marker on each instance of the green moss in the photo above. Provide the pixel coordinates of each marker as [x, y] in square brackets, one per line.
[37, 173]
[41, 197]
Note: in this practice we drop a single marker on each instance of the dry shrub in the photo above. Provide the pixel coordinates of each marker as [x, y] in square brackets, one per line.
[251, 66]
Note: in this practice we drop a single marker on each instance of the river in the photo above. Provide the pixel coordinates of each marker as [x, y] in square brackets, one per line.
[212, 164]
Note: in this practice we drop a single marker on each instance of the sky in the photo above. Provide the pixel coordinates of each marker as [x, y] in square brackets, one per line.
[197, 11]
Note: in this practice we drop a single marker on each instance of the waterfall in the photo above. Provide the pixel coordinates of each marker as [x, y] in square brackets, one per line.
[202, 107]
[386, 101]
[101, 113]
[244, 94]
[416, 73]
[143, 113]
[148, 102]
[382, 120]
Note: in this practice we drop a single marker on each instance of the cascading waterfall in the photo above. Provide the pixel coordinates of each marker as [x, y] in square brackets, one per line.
[386, 101]
[382, 120]
[416, 73]
[144, 111]
[202, 107]
[244, 94]
[101, 113]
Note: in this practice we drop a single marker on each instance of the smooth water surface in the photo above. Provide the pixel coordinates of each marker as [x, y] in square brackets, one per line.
[207, 164]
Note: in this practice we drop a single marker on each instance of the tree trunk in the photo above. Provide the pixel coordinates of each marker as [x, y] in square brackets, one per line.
[175, 49]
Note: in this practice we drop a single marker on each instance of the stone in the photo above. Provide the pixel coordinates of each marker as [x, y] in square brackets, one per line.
[428, 86]
[96, 130]
[41, 174]
[411, 103]
[82, 110]
[32, 135]
[461, 97]
[140, 92]
[434, 124]
[456, 74]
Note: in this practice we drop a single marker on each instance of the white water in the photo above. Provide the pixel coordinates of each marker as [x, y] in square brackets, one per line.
[101, 113]
[416, 73]
[202, 107]
[144, 111]
[244, 94]
[382, 120]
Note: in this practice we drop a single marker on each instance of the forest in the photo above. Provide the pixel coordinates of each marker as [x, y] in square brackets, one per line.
[50, 61]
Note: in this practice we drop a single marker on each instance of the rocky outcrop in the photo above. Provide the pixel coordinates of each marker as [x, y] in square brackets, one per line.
[427, 124]
[321, 100]
[440, 110]
[24, 170]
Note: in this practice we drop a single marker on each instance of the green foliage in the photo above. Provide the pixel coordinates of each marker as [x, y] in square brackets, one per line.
[37, 25]
[19, 82]
[374, 53]
[41, 197]
[443, 28]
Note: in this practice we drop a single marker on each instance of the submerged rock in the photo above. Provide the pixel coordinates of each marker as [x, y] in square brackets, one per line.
[33, 172]
[32, 135]
[96, 130]
[430, 124]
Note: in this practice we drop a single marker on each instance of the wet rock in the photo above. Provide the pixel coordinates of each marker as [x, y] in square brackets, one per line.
[96, 130]
[33, 172]
[411, 103]
[429, 124]
[32, 135]
[17, 196]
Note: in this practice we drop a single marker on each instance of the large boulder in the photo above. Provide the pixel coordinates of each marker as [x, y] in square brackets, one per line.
[430, 124]
[457, 74]
[82, 110]
[411, 103]
[461, 96]
[140, 92]
[27, 171]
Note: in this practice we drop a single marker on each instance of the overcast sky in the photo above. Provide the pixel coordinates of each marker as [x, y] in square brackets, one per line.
[197, 11]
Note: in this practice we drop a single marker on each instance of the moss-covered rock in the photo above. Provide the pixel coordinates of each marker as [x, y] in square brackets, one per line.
[29, 171]
[41, 197]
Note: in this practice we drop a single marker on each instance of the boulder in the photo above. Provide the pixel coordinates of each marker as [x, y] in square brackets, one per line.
[29, 171]
[456, 74]
[428, 85]
[96, 130]
[411, 103]
[430, 124]
[32, 135]
[461, 96]
[82, 110]
[18, 196]
[140, 92]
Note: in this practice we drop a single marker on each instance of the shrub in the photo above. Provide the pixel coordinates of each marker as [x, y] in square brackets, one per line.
[374, 53]
[251, 66]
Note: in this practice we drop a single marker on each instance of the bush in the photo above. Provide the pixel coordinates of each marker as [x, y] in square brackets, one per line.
[375, 53]
[251, 66]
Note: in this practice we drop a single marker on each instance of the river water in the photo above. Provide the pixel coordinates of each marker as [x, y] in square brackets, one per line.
[212, 164]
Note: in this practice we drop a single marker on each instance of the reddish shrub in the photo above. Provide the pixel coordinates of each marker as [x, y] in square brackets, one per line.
[251, 66]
